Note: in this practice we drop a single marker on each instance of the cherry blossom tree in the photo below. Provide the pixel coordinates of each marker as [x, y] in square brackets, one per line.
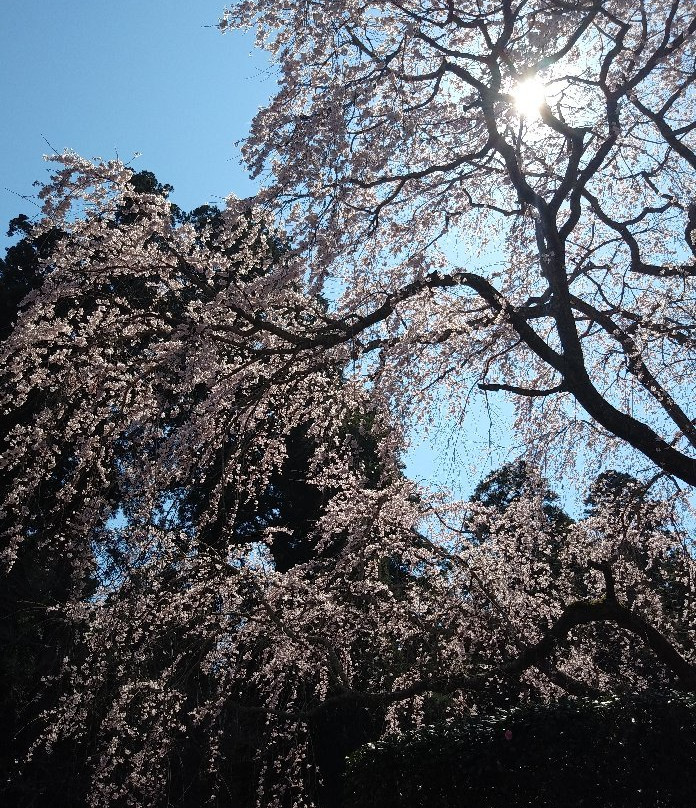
[95, 460]
[34, 638]
[490, 197]
[506, 192]
[203, 666]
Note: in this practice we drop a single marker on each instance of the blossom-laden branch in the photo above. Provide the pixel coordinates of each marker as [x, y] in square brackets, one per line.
[579, 613]
[399, 136]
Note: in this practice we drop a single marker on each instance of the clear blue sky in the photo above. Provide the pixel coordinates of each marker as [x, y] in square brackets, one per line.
[149, 76]
[156, 77]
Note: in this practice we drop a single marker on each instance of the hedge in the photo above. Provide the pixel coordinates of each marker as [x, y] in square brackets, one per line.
[634, 751]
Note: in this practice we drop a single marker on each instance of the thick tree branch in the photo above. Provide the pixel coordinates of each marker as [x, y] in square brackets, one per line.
[575, 615]
[521, 391]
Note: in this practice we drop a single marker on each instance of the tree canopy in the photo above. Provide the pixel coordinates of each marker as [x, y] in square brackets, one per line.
[541, 248]
[460, 198]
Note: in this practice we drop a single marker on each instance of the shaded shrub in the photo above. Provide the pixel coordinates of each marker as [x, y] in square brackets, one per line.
[637, 751]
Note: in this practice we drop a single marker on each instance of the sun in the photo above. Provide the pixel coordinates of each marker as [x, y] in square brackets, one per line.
[529, 95]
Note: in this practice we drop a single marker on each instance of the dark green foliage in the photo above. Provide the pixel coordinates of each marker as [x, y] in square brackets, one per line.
[612, 486]
[33, 636]
[21, 270]
[509, 483]
[629, 752]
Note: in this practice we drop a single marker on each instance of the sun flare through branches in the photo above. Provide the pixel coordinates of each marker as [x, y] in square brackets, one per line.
[529, 95]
